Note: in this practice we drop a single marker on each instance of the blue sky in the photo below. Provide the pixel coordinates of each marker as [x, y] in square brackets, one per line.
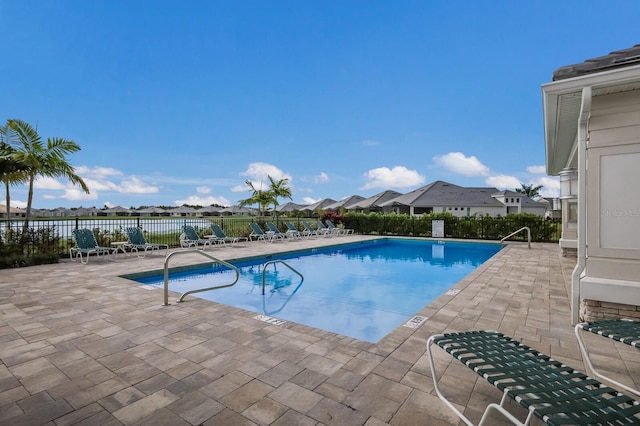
[177, 102]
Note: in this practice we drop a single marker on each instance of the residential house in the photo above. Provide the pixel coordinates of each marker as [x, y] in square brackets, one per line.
[153, 211]
[322, 204]
[115, 211]
[345, 203]
[444, 197]
[592, 141]
[290, 207]
[13, 211]
[374, 203]
[516, 202]
[184, 211]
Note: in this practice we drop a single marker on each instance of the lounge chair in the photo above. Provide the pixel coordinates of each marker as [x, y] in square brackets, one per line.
[139, 244]
[273, 229]
[220, 235]
[190, 238]
[619, 330]
[325, 230]
[87, 244]
[308, 230]
[340, 231]
[293, 231]
[551, 391]
[258, 234]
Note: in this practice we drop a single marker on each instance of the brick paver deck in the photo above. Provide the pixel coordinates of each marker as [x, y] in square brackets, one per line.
[80, 345]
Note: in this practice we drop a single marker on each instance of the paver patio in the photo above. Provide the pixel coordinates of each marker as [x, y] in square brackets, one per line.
[80, 345]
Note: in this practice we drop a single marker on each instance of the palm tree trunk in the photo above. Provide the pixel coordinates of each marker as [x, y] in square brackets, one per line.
[8, 206]
[25, 225]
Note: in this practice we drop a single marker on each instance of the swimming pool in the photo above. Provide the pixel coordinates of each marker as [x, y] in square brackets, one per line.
[362, 290]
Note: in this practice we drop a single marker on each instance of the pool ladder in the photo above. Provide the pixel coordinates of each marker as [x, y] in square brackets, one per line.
[264, 270]
[215, 260]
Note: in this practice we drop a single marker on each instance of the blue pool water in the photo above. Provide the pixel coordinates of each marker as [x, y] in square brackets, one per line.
[362, 290]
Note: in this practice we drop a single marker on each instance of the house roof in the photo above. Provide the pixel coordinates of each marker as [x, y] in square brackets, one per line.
[440, 193]
[183, 209]
[3, 209]
[290, 207]
[152, 210]
[320, 204]
[118, 209]
[563, 100]
[524, 200]
[617, 59]
[345, 202]
[376, 200]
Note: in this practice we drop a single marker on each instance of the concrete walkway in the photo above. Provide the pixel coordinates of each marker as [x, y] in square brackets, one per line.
[80, 345]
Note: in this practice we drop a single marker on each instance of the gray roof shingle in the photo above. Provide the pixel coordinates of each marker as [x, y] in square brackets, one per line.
[440, 193]
[617, 59]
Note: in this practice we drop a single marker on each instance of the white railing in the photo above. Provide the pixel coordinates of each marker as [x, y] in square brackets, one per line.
[181, 298]
[518, 231]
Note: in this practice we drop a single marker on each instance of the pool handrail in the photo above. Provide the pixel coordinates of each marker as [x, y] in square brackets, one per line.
[264, 270]
[518, 231]
[215, 260]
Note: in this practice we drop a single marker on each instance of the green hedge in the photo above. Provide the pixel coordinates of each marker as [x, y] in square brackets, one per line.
[483, 228]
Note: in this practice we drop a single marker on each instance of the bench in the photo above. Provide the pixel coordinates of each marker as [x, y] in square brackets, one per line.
[551, 391]
[626, 331]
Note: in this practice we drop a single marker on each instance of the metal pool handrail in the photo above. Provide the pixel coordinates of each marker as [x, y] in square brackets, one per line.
[264, 270]
[520, 230]
[216, 260]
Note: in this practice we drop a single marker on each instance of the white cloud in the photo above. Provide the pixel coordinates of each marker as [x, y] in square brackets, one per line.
[195, 200]
[14, 203]
[398, 177]
[550, 186]
[47, 183]
[370, 143]
[537, 169]
[97, 172]
[259, 172]
[133, 185]
[203, 190]
[457, 162]
[321, 178]
[503, 182]
[309, 200]
[78, 194]
[240, 188]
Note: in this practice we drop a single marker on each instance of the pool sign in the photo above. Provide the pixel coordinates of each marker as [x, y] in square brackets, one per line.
[270, 320]
[437, 228]
[415, 321]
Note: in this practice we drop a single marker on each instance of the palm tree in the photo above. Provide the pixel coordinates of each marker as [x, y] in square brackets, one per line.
[529, 190]
[279, 189]
[258, 196]
[39, 159]
[11, 172]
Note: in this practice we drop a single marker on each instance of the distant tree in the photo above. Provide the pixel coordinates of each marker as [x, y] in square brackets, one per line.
[529, 190]
[42, 160]
[258, 196]
[279, 189]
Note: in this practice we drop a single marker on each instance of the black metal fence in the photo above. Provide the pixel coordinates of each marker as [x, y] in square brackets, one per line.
[48, 239]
